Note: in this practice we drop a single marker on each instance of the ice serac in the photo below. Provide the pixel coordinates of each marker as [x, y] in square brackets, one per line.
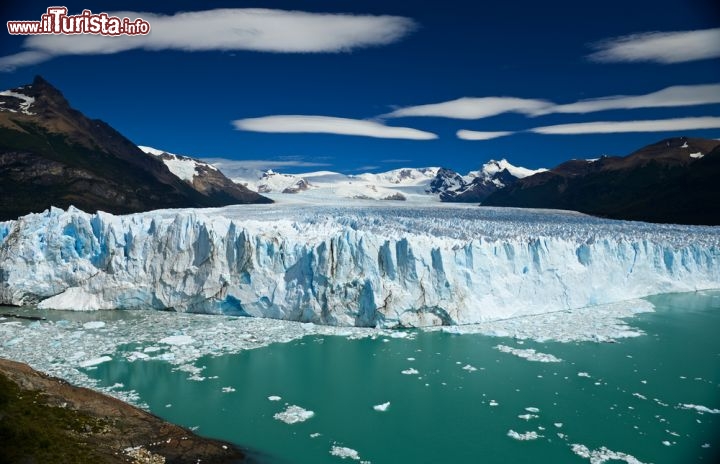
[348, 266]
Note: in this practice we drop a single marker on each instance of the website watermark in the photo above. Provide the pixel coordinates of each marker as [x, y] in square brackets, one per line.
[57, 21]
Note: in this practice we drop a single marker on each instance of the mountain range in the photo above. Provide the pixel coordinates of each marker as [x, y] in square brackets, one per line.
[415, 184]
[53, 155]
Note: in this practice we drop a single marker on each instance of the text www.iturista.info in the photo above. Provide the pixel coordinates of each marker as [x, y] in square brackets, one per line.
[57, 21]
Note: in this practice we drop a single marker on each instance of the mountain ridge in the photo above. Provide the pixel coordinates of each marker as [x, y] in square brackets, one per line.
[672, 181]
[53, 155]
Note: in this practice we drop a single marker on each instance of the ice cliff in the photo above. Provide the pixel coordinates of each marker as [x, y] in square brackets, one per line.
[348, 266]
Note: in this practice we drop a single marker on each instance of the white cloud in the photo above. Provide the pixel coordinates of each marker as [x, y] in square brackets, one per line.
[606, 127]
[237, 168]
[329, 125]
[659, 47]
[260, 30]
[476, 135]
[679, 95]
[472, 108]
[478, 108]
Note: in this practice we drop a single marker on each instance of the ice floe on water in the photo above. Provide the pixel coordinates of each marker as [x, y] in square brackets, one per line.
[294, 414]
[177, 340]
[532, 409]
[344, 452]
[699, 408]
[94, 325]
[58, 346]
[410, 371]
[532, 435]
[228, 389]
[528, 353]
[583, 374]
[274, 398]
[602, 323]
[528, 416]
[95, 361]
[602, 455]
[382, 407]
[469, 368]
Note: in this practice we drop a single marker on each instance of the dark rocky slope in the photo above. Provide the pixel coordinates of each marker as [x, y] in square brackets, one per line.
[676, 180]
[53, 155]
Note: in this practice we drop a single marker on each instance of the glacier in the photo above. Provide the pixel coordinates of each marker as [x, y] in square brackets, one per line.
[348, 265]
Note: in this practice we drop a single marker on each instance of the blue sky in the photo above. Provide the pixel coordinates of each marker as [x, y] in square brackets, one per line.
[288, 89]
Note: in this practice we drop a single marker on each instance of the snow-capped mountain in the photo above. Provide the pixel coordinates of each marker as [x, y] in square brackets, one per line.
[397, 184]
[272, 181]
[184, 167]
[477, 185]
[203, 177]
[412, 184]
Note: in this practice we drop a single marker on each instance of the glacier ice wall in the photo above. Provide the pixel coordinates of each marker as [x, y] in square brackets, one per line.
[351, 266]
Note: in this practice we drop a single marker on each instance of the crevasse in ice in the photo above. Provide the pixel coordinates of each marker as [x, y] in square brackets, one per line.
[413, 266]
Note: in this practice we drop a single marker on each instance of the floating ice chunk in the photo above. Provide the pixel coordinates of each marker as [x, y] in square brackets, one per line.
[469, 368]
[228, 389]
[344, 453]
[94, 325]
[558, 424]
[294, 414]
[411, 371]
[382, 407]
[411, 359]
[532, 409]
[178, 340]
[529, 354]
[583, 374]
[527, 417]
[152, 349]
[315, 435]
[493, 403]
[638, 395]
[705, 445]
[135, 355]
[532, 435]
[699, 408]
[666, 443]
[602, 455]
[274, 398]
[95, 361]
[697, 155]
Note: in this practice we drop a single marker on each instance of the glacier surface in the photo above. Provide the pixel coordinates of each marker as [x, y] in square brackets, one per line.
[354, 265]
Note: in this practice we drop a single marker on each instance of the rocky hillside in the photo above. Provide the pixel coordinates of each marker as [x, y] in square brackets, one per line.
[44, 419]
[672, 181]
[53, 155]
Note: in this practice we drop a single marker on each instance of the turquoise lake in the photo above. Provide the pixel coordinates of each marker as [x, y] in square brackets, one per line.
[652, 398]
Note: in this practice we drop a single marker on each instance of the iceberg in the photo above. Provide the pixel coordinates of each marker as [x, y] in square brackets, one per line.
[348, 266]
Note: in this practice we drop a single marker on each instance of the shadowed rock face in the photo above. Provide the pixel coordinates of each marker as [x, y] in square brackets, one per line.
[52, 155]
[672, 181]
[474, 188]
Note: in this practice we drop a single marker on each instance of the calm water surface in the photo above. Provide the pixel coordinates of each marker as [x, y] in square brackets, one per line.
[626, 397]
